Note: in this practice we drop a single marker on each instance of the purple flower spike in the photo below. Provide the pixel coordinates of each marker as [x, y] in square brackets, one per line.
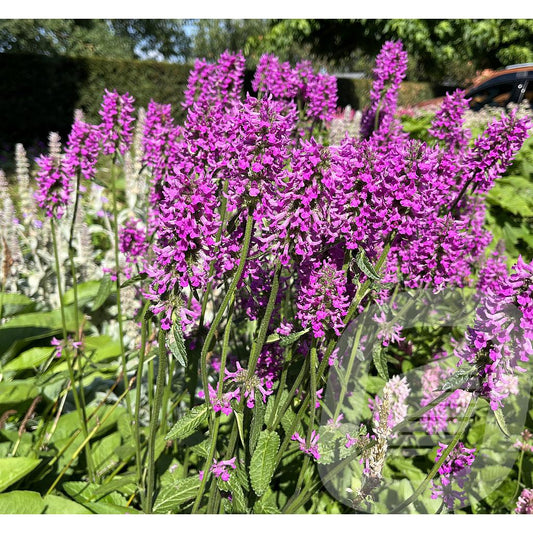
[54, 187]
[117, 122]
[456, 468]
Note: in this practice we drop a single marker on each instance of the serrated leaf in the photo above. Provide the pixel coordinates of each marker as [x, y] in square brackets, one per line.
[379, 357]
[173, 495]
[104, 290]
[500, 420]
[15, 468]
[175, 341]
[262, 464]
[258, 418]
[188, 423]
[459, 378]
[287, 340]
[366, 266]
[238, 500]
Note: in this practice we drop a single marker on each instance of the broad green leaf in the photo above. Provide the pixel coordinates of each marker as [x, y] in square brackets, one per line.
[87, 292]
[379, 356]
[258, 418]
[104, 290]
[173, 495]
[31, 358]
[14, 304]
[21, 502]
[103, 453]
[13, 469]
[85, 494]
[17, 391]
[61, 505]
[262, 464]
[188, 423]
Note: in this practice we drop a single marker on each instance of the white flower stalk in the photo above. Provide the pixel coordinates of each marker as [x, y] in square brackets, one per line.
[27, 207]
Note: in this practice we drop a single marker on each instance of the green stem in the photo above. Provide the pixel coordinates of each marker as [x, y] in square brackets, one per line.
[154, 419]
[265, 322]
[138, 382]
[117, 285]
[216, 424]
[66, 351]
[228, 296]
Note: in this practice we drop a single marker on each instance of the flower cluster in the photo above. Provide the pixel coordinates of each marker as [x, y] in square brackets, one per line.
[524, 504]
[390, 69]
[117, 122]
[53, 187]
[455, 469]
[318, 92]
[447, 126]
[82, 150]
[312, 448]
[502, 334]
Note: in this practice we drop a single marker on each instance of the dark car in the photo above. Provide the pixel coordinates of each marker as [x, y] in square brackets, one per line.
[497, 88]
[510, 85]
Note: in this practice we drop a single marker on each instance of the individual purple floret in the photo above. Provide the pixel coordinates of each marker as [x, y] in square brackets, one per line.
[312, 449]
[220, 468]
[455, 469]
[117, 122]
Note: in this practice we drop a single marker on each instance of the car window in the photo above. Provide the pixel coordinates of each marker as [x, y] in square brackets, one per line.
[497, 95]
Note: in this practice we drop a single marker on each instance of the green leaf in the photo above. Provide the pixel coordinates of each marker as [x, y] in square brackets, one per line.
[366, 266]
[13, 469]
[500, 420]
[258, 418]
[173, 495]
[133, 280]
[87, 292]
[61, 505]
[21, 502]
[188, 423]
[262, 464]
[292, 337]
[239, 417]
[459, 377]
[14, 304]
[104, 290]
[379, 356]
[175, 341]
[16, 392]
[29, 359]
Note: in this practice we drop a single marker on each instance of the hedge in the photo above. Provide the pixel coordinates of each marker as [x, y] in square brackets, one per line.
[39, 94]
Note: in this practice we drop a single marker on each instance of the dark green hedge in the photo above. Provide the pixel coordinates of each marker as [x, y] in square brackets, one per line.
[356, 93]
[39, 94]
